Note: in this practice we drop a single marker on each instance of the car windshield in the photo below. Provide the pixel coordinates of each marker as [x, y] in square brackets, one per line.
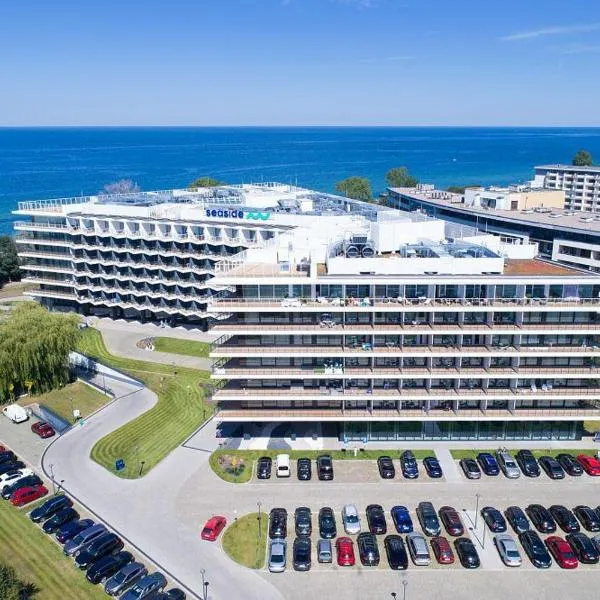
[120, 577]
[512, 553]
[510, 464]
[351, 518]
[277, 558]
[568, 554]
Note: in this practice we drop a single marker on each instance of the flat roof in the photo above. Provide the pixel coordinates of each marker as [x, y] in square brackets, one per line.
[534, 266]
[561, 167]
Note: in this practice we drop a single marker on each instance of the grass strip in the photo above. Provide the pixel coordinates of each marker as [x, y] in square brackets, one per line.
[458, 454]
[184, 347]
[242, 542]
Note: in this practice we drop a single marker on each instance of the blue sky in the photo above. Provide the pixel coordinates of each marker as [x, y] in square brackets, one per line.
[300, 62]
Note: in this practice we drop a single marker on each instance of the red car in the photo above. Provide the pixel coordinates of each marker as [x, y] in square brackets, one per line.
[442, 550]
[562, 552]
[590, 464]
[43, 429]
[213, 528]
[2, 449]
[345, 552]
[28, 494]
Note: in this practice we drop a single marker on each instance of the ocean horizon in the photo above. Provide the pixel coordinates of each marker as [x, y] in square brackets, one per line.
[49, 162]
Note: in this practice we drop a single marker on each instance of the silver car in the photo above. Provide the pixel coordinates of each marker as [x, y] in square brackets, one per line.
[508, 464]
[324, 554]
[125, 578]
[417, 546]
[508, 550]
[350, 519]
[277, 556]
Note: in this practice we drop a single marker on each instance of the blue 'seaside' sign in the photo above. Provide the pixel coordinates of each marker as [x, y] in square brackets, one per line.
[226, 213]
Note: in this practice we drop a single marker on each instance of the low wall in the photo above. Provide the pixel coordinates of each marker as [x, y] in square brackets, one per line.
[84, 363]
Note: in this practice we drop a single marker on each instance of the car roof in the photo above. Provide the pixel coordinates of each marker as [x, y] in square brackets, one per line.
[350, 509]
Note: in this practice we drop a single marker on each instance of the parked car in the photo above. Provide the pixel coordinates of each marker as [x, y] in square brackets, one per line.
[541, 518]
[386, 467]
[64, 515]
[172, 594]
[213, 527]
[470, 468]
[551, 467]
[417, 548]
[488, 464]
[350, 519]
[304, 469]
[588, 517]
[564, 518]
[327, 526]
[11, 476]
[508, 550]
[535, 549]
[7, 456]
[83, 538]
[408, 462]
[493, 519]
[344, 548]
[517, 519]
[43, 429]
[432, 466]
[376, 519]
[69, 530]
[282, 465]
[303, 521]
[263, 467]
[508, 464]
[301, 554]
[401, 518]
[325, 467]
[589, 464]
[125, 578]
[562, 552]
[107, 566]
[442, 550]
[451, 521]
[396, 552]
[324, 554]
[23, 482]
[25, 495]
[16, 413]
[278, 523]
[584, 548]
[11, 465]
[50, 507]
[147, 587]
[277, 555]
[570, 464]
[529, 466]
[467, 553]
[105, 544]
[367, 549]
[428, 519]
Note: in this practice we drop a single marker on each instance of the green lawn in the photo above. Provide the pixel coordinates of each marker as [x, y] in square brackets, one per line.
[457, 454]
[39, 561]
[180, 410]
[185, 347]
[17, 289]
[242, 543]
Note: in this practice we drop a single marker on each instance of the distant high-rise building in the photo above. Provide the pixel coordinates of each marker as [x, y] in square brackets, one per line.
[580, 184]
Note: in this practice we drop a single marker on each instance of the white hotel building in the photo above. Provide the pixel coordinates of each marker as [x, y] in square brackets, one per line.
[373, 322]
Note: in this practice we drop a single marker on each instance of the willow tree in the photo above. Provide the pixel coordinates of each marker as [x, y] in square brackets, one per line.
[34, 350]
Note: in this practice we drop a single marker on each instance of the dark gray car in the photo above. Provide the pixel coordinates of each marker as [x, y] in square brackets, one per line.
[125, 578]
[148, 587]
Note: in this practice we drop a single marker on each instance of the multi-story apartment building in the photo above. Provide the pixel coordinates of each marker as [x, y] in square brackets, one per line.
[580, 184]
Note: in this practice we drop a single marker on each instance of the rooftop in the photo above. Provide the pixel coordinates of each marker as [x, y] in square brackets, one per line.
[538, 267]
[560, 167]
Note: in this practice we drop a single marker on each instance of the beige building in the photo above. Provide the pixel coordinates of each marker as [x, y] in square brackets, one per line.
[514, 198]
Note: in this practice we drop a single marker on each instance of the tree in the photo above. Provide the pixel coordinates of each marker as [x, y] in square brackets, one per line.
[460, 189]
[123, 186]
[400, 177]
[9, 261]
[583, 159]
[11, 587]
[357, 188]
[205, 182]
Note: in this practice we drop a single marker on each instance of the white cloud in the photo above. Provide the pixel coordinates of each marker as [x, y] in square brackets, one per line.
[545, 31]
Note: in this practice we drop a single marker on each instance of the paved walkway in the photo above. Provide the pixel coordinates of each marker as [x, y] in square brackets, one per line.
[448, 464]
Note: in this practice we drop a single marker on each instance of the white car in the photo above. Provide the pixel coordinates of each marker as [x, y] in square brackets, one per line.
[11, 476]
[350, 519]
[508, 550]
[16, 413]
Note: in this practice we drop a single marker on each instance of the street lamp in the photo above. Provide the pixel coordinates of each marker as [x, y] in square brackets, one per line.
[60, 485]
[206, 590]
[477, 496]
[394, 595]
[404, 584]
[259, 504]
[202, 572]
[72, 408]
[52, 478]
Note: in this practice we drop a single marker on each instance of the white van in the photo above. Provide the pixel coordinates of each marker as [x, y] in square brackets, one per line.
[283, 465]
[16, 413]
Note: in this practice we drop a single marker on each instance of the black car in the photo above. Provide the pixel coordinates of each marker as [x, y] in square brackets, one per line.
[11, 466]
[386, 467]
[367, 549]
[488, 464]
[551, 467]
[584, 548]
[107, 566]
[327, 527]
[570, 464]
[494, 519]
[527, 463]
[50, 507]
[517, 519]
[27, 481]
[467, 553]
[303, 521]
[535, 549]
[301, 554]
[304, 469]
[376, 519]
[7, 456]
[451, 521]
[428, 519]
[564, 518]
[541, 518]
[64, 515]
[408, 462]
[172, 594]
[432, 466]
[588, 517]
[263, 467]
[69, 530]
[325, 467]
[396, 552]
[278, 523]
[470, 468]
[107, 543]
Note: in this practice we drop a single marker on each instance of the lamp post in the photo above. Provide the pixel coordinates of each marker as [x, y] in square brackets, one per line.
[52, 478]
[60, 485]
[477, 496]
[259, 504]
[72, 408]
[394, 595]
[202, 572]
[206, 590]
[404, 584]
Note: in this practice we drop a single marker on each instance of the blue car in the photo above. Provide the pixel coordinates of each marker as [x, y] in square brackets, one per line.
[402, 520]
[69, 530]
[488, 463]
[408, 462]
[432, 466]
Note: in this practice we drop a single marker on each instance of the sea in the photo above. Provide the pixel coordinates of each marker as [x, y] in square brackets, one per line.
[40, 163]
